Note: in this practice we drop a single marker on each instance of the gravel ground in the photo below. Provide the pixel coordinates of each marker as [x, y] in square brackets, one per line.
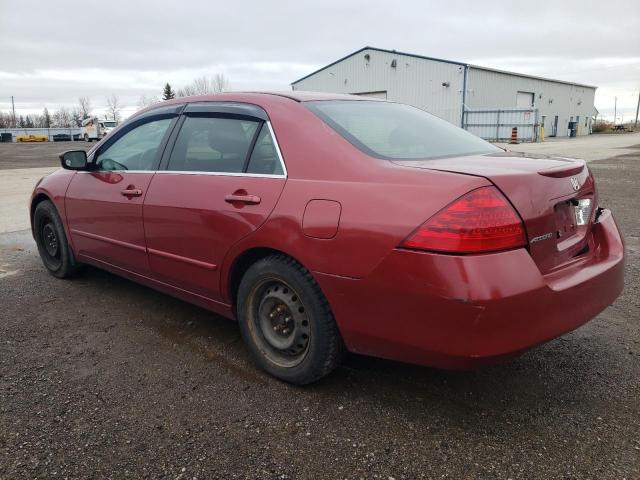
[103, 378]
[37, 154]
[588, 147]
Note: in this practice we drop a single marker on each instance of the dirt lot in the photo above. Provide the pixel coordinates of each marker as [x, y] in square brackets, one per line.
[102, 378]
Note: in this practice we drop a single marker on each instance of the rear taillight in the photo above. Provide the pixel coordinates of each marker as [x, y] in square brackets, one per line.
[480, 221]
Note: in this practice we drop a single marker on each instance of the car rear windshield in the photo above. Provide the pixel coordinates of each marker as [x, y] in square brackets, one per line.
[394, 131]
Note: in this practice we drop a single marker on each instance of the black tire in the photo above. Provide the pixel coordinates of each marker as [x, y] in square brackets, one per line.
[52, 242]
[312, 347]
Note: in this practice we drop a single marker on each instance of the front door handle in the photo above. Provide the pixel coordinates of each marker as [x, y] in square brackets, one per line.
[248, 199]
[131, 192]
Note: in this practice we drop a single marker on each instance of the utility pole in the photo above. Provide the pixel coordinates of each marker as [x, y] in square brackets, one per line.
[615, 109]
[637, 109]
[13, 108]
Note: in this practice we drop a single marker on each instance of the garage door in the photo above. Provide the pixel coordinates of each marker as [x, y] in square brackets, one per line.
[380, 94]
[524, 100]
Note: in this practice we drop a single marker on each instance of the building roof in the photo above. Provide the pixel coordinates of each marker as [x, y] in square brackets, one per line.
[469, 65]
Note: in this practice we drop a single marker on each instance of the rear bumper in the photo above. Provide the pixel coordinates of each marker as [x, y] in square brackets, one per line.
[462, 311]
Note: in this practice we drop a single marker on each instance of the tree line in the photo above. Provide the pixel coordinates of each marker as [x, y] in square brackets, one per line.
[198, 86]
[72, 117]
[62, 118]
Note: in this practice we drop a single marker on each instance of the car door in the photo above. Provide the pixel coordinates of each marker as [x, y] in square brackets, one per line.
[218, 183]
[104, 205]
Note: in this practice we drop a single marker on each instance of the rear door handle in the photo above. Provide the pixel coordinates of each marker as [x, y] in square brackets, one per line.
[131, 192]
[248, 199]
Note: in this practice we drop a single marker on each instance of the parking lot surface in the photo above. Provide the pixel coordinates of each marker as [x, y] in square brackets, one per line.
[103, 378]
[588, 147]
[21, 166]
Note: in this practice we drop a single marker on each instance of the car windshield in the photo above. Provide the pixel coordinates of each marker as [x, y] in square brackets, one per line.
[394, 131]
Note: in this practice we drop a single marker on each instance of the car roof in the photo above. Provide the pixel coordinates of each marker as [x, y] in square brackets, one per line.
[304, 96]
[295, 95]
[262, 99]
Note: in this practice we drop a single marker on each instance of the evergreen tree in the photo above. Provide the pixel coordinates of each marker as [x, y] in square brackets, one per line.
[168, 93]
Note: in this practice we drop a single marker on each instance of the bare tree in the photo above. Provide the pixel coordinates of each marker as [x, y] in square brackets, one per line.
[147, 101]
[199, 86]
[220, 83]
[39, 121]
[85, 106]
[46, 118]
[203, 86]
[76, 117]
[6, 120]
[62, 118]
[114, 106]
[186, 91]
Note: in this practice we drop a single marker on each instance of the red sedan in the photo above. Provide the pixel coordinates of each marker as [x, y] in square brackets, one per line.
[327, 223]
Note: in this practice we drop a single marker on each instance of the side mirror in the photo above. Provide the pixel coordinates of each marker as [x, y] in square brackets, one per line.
[74, 160]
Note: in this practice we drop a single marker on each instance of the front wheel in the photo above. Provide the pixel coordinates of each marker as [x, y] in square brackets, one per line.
[51, 241]
[286, 321]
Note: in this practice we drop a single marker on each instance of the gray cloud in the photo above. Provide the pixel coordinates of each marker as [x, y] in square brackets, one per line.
[53, 52]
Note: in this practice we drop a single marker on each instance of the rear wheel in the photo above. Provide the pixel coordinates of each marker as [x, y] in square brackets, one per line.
[286, 321]
[52, 241]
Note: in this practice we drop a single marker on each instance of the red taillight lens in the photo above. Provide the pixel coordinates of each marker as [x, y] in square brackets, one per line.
[480, 221]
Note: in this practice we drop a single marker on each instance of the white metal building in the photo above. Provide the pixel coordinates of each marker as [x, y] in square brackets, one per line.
[485, 101]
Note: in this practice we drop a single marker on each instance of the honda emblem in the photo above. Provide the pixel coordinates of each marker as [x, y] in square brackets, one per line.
[575, 183]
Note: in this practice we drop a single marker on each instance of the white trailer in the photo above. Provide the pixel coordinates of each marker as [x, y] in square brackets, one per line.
[96, 129]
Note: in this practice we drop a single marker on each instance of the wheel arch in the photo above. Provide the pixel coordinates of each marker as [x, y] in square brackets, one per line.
[35, 201]
[243, 262]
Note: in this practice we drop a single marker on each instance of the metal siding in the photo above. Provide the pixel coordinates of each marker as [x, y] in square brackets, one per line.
[489, 89]
[418, 82]
[414, 81]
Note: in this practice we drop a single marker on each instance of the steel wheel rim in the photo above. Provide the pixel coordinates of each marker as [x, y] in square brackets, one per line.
[50, 248]
[50, 240]
[281, 323]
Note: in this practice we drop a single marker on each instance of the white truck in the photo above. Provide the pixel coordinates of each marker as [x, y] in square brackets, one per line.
[96, 129]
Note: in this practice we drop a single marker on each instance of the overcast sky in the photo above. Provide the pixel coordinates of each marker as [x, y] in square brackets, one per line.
[52, 52]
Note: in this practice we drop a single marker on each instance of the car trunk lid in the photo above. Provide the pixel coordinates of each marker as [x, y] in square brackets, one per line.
[544, 190]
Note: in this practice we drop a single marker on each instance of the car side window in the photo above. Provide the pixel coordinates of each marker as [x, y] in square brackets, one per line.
[212, 144]
[264, 158]
[136, 149]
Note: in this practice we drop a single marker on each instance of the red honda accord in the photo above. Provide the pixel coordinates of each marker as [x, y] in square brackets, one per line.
[327, 223]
